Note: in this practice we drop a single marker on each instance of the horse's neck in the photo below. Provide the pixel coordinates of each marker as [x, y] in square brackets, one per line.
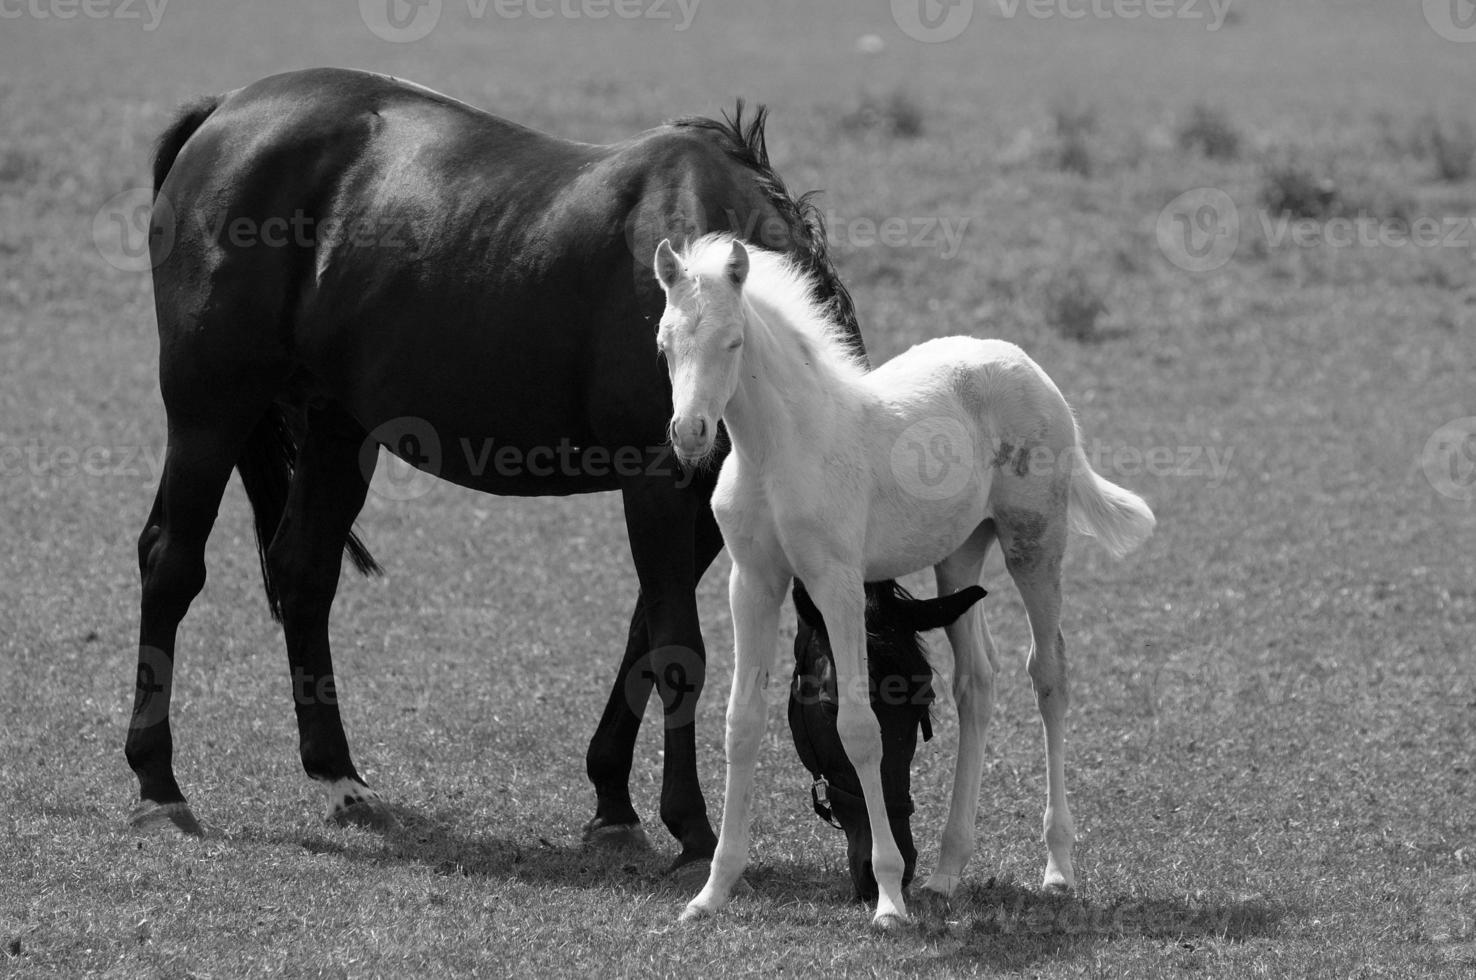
[786, 394]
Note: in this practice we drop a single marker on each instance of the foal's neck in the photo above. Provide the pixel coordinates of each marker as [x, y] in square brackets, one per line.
[789, 388]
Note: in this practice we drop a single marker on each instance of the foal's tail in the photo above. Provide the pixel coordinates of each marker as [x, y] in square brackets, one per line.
[266, 464]
[1103, 509]
[190, 118]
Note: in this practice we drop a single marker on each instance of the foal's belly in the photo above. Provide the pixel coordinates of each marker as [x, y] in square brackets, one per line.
[907, 533]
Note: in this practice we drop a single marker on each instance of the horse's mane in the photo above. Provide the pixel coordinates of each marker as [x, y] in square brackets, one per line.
[901, 652]
[777, 283]
[744, 142]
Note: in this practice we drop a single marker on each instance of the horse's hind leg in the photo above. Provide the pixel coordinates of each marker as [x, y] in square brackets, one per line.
[171, 558]
[1034, 543]
[305, 558]
[974, 666]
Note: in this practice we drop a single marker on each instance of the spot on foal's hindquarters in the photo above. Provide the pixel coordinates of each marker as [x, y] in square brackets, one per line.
[1022, 531]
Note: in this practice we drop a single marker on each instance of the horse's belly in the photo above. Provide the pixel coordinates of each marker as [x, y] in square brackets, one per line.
[906, 537]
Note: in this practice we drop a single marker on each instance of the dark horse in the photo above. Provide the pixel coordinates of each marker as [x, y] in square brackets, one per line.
[343, 260]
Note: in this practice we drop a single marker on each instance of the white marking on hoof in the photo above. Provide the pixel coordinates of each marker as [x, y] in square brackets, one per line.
[345, 794]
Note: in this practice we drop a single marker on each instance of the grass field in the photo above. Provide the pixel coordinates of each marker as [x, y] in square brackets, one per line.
[1273, 734]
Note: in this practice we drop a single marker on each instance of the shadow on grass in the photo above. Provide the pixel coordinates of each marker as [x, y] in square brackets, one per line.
[1007, 927]
[439, 842]
[1001, 925]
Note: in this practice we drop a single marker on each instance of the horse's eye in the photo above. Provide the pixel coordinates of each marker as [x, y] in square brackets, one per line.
[734, 345]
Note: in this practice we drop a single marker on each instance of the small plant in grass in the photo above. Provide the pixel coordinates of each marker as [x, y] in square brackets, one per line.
[897, 113]
[1454, 151]
[1073, 305]
[1208, 130]
[1291, 187]
[1074, 125]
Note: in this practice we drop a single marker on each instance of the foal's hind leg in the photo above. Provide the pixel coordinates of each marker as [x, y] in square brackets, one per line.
[974, 666]
[171, 559]
[1034, 544]
[305, 558]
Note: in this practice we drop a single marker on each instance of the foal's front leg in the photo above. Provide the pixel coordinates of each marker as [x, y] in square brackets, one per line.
[841, 598]
[756, 595]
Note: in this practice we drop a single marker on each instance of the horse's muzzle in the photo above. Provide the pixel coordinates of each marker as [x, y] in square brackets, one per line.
[692, 436]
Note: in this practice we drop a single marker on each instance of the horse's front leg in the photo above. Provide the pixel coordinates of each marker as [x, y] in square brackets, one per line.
[839, 592]
[672, 540]
[756, 594]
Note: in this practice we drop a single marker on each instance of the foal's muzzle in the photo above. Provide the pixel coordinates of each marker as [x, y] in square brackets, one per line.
[692, 436]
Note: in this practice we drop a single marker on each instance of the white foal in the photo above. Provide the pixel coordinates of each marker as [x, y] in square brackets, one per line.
[840, 476]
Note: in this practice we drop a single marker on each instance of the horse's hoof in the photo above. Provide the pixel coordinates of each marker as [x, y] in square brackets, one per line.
[693, 912]
[942, 886]
[1056, 887]
[689, 875]
[150, 817]
[617, 837]
[889, 922]
[371, 814]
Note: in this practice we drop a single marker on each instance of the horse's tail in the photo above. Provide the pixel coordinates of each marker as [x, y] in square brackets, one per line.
[266, 465]
[1104, 510]
[190, 118]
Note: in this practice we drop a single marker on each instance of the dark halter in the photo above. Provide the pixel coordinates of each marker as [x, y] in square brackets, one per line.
[828, 799]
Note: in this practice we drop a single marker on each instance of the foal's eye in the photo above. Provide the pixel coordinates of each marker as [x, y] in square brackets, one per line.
[735, 344]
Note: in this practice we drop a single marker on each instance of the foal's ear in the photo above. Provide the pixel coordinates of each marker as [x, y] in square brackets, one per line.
[737, 267]
[930, 614]
[668, 265]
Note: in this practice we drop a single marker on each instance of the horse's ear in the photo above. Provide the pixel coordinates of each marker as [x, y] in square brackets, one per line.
[805, 607]
[668, 265]
[930, 614]
[737, 268]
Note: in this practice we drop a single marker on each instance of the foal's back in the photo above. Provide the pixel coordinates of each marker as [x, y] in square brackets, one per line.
[958, 429]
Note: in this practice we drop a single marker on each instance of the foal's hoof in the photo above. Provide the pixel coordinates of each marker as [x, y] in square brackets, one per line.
[371, 814]
[889, 923]
[150, 817]
[616, 837]
[1056, 884]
